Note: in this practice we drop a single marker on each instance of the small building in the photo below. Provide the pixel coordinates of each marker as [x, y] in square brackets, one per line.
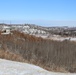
[6, 30]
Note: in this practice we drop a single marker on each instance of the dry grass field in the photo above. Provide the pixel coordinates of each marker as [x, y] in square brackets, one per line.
[51, 55]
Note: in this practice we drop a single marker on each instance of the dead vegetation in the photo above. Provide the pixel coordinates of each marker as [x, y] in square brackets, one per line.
[49, 54]
[11, 56]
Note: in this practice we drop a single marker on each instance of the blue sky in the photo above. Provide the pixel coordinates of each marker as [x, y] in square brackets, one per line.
[40, 12]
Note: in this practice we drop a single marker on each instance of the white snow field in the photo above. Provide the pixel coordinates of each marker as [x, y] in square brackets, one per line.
[16, 68]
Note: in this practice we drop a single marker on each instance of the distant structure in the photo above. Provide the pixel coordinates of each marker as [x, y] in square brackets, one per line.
[6, 30]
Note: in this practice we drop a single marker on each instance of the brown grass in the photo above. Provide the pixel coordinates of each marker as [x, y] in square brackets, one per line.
[11, 56]
[49, 54]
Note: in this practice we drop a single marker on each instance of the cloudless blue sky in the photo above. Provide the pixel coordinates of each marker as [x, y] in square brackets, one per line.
[41, 12]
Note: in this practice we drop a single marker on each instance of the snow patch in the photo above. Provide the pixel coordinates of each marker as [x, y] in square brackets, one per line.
[17, 68]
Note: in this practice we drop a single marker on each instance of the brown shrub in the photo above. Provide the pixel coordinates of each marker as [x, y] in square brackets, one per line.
[52, 55]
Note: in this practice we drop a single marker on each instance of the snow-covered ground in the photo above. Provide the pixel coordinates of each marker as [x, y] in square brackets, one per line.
[59, 38]
[16, 68]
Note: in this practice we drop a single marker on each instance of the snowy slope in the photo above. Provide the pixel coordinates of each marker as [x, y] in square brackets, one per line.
[39, 31]
[28, 29]
[59, 38]
[17, 68]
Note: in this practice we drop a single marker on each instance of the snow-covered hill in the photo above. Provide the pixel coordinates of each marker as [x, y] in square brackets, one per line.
[44, 32]
[28, 29]
[16, 68]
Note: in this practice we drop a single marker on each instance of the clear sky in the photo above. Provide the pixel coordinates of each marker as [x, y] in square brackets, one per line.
[40, 12]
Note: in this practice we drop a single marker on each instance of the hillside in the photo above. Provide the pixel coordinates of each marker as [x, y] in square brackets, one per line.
[52, 55]
[54, 33]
